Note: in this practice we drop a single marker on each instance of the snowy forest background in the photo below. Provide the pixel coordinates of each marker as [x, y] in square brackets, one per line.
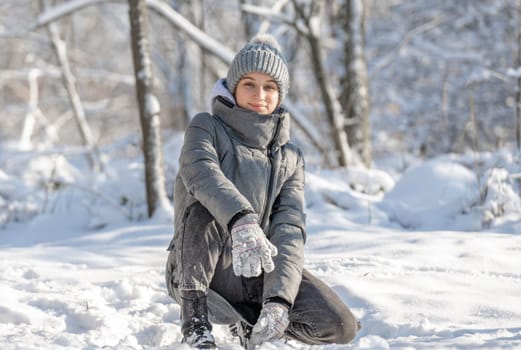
[418, 232]
[442, 79]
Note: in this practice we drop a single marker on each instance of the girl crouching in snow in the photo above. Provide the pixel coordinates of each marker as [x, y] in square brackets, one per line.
[238, 250]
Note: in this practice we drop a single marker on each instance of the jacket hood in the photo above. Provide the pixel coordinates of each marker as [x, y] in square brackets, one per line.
[253, 129]
[220, 89]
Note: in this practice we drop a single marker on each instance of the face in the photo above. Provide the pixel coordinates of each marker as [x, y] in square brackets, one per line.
[257, 92]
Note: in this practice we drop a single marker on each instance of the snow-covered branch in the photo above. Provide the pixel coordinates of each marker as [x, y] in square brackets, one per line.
[197, 35]
[61, 10]
[74, 97]
[275, 15]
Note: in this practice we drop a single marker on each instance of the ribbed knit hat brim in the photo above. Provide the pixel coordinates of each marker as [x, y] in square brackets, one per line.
[262, 55]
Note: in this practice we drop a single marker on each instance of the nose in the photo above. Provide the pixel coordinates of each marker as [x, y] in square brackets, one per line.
[259, 92]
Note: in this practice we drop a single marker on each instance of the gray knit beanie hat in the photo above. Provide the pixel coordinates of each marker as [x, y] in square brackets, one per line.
[262, 54]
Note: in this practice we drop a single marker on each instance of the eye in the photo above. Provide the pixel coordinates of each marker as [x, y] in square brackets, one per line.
[271, 87]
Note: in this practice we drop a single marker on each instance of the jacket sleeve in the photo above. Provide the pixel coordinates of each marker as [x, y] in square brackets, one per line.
[202, 176]
[287, 233]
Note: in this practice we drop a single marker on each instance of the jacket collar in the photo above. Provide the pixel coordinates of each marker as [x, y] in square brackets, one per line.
[253, 129]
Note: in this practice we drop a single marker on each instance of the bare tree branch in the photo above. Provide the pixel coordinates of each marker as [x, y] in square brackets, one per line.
[275, 15]
[74, 98]
[331, 105]
[425, 27]
[205, 41]
[277, 7]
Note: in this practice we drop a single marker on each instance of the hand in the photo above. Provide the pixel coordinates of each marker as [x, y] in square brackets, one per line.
[251, 249]
[271, 324]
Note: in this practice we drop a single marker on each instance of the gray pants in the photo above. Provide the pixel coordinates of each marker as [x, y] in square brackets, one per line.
[200, 259]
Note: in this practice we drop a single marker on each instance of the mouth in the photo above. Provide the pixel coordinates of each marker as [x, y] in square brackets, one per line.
[258, 107]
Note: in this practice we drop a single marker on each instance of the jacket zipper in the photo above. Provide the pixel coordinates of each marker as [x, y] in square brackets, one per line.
[272, 175]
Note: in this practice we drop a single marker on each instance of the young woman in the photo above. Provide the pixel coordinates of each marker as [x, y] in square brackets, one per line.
[238, 250]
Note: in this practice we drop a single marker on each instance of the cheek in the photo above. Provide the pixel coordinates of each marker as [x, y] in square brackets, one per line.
[239, 95]
[273, 103]
[243, 97]
[274, 98]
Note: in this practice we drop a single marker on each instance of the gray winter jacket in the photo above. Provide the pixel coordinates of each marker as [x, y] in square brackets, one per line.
[236, 161]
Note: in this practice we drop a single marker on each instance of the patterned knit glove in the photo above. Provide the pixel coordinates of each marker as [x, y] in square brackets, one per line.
[271, 324]
[251, 249]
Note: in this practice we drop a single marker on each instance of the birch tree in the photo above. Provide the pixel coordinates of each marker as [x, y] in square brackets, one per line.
[148, 108]
[518, 80]
[354, 95]
[74, 98]
[247, 21]
[309, 14]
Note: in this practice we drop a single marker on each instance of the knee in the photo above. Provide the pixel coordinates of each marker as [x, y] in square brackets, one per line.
[345, 327]
[346, 331]
[334, 328]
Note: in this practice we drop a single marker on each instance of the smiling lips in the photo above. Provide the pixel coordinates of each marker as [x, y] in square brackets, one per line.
[258, 106]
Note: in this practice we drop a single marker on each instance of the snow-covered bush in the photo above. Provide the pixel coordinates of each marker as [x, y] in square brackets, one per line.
[500, 197]
[433, 195]
[54, 182]
[15, 205]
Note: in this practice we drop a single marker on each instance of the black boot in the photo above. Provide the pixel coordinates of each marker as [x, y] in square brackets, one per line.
[196, 328]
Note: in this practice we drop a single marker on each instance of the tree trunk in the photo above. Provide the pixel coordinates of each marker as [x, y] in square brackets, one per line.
[30, 118]
[74, 97]
[355, 90]
[247, 21]
[148, 108]
[518, 87]
[331, 105]
[205, 42]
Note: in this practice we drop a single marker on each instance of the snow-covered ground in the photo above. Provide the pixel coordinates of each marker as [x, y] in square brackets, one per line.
[427, 259]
